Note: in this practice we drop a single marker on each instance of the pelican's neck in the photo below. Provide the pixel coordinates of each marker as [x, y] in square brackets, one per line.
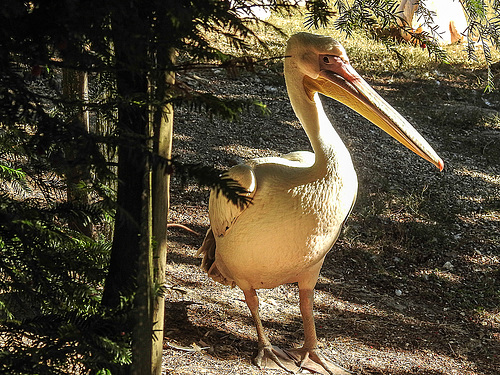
[325, 141]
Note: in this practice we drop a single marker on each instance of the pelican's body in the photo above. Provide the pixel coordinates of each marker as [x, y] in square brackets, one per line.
[298, 201]
[294, 219]
[448, 17]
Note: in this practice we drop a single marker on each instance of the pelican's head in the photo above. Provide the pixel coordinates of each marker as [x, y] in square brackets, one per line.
[324, 67]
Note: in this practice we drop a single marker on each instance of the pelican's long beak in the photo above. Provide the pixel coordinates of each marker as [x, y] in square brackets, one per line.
[338, 80]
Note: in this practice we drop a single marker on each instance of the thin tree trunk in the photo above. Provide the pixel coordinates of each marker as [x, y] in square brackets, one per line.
[142, 348]
[163, 129]
[75, 88]
[129, 239]
[125, 250]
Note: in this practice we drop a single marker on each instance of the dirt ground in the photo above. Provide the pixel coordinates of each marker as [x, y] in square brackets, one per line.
[413, 284]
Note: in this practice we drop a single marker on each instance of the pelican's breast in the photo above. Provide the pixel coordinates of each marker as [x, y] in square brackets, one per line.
[327, 201]
[293, 221]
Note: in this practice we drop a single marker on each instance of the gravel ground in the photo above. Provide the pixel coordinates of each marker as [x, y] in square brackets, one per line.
[411, 287]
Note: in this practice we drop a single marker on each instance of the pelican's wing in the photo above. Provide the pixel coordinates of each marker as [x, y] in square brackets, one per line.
[296, 159]
[222, 212]
[304, 158]
[406, 11]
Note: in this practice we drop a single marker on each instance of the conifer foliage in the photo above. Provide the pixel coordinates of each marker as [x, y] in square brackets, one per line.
[52, 277]
[68, 299]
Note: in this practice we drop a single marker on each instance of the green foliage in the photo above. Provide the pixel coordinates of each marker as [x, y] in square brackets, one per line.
[51, 276]
[484, 29]
[375, 18]
[11, 174]
[215, 179]
[52, 320]
[319, 13]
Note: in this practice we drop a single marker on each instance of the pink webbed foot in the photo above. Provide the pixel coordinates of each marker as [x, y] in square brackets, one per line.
[272, 357]
[315, 362]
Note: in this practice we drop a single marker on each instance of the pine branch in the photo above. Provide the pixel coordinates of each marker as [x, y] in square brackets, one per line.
[206, 176]
[372, 17]
[319, 13]
[484, 31]
[213, 178]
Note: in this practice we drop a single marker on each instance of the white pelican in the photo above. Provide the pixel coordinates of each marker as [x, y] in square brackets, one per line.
[300, 200]
[449, 17]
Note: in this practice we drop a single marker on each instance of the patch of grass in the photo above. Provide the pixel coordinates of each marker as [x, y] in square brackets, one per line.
[492, 121]
[374, 57]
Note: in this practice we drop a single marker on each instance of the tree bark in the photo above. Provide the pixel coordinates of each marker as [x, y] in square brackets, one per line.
[130, 270]
[125, 250]
[142, 346]
[162, 138]
[143, 194]
[75, 88]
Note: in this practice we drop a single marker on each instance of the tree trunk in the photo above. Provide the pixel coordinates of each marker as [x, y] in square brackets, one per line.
[75, 88]
[162, 138]
[142, 348]
[143, 194]
[130, 270]
[125, 250]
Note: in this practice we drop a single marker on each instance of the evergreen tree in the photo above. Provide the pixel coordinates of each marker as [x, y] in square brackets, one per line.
[69, 302]
[51, 275]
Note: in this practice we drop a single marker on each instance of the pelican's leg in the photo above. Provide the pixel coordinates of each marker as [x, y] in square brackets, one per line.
[265, 349]
[308, 356]
[306, 310]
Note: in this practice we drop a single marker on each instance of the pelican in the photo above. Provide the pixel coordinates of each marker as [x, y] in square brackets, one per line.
[298, 201]
[449, 17]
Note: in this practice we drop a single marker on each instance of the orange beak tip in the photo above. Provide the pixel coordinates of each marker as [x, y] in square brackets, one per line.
[441, 165]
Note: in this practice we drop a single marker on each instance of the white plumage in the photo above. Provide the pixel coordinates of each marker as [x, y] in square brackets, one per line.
[300, 200]
[449, 17]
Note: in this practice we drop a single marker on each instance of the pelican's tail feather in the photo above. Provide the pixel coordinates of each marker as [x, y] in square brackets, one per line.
[208, 264]
[207, 249]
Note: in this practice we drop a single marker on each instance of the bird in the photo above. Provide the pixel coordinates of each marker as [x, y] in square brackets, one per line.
[447, 16]
[299, 201]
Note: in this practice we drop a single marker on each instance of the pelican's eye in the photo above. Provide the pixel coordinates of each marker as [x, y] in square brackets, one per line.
[326, 60]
